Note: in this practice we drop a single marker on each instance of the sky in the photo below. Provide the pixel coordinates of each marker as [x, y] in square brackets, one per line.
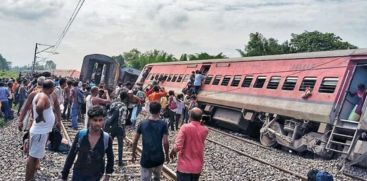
[112, 27]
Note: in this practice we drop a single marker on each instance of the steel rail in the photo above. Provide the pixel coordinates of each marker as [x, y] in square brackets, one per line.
[167, 172]
[239, 138]
[259, 160]
[65, 132]
[262, 146]
[354, 176]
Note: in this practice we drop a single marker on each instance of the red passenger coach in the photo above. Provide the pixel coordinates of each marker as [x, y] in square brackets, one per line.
[299, 100]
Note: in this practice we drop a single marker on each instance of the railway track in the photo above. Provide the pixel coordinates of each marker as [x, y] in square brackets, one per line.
[239, 138]
[130, 171]
[298, 175]
[253, 157]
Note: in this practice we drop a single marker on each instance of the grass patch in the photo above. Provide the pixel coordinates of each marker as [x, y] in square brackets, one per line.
[2, 122]
[9, 74]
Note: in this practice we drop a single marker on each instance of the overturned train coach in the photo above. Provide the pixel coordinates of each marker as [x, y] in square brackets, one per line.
[299, 101]
[102, 69]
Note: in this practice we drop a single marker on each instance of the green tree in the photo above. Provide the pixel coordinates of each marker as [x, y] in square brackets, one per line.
[133, 54]
[254, 47]
[201, 56]
[258, 45]
[138, 60]
[306, 42]
[119, 59]
[50, 65]
[184, 57]
[205, 56]
[317, 41]
[4, 64]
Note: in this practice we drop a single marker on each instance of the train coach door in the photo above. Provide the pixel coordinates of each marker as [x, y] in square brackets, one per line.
[144, 74]
[359, 77]
[204, 69]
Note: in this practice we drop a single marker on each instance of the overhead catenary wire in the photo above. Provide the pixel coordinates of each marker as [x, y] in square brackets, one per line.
[68, 24]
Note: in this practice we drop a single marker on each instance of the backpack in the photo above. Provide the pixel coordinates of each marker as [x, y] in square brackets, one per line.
[311, 175]
[112, 115]
[83, 133]
[172, 104]
[80, 97]
[324, 176]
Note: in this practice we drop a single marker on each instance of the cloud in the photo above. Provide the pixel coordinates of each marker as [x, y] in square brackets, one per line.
[29, 9]
[175, 26]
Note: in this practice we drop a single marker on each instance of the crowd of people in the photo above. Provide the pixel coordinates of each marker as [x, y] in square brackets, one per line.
[44, 101]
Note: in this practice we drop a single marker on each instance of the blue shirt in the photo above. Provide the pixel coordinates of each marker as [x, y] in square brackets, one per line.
[4, 94]
[152, 132]
[198, 79]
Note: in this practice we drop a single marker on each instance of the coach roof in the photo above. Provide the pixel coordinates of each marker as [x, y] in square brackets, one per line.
[321, 54]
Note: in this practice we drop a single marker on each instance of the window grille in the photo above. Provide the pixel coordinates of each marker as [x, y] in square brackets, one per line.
[208, 79]
[289, 83]
[226, 80]
[260, 81]
[328, 85]
[236, 80]
[308, 82]
[273, 82]
[247, 81]
[217, 80]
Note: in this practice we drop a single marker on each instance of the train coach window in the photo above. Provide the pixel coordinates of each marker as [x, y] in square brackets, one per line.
[152, 77]
[186, 78]
[165, 77]
[236, 80]
[208, 79]
[308, 82]
[260, 81]
[247, 81]
[217, 80]
[273, 82]
[179, 79]
[161, 77]
[289, 83]
[174, 78]
[226, 80]
[156, 77]
[169, 78]
[328, 85]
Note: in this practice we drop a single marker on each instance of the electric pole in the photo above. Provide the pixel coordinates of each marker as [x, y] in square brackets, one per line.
[37, 52]
[34, 58]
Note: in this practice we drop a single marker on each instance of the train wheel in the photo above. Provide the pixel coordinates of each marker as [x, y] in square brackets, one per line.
[267, 139]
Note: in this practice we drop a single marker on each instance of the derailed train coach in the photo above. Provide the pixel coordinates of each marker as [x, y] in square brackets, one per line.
[102, 69]
[299, 101]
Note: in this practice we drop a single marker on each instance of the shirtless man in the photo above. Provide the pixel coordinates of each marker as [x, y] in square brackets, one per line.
[95, 100]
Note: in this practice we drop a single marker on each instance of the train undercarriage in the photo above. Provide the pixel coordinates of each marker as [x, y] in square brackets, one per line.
[298, 135]
[273, 130]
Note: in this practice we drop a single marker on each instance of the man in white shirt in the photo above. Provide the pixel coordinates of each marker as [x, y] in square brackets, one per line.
[59, 91]
[44, 120]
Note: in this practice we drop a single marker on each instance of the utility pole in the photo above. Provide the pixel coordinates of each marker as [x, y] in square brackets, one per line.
[34, 59]
[43, 50]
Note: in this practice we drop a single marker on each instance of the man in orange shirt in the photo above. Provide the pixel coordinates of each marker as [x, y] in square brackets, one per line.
[157, 94]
